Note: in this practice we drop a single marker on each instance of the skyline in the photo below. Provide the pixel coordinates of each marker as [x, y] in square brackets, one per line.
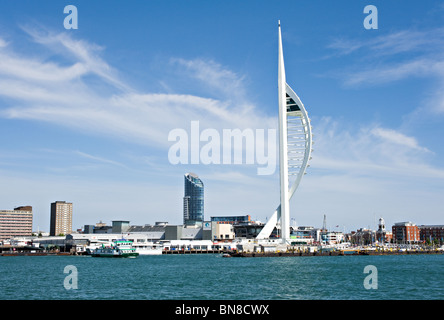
[85, 114]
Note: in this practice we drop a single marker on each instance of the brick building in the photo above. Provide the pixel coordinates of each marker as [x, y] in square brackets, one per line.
[432, 233]
[405, 232]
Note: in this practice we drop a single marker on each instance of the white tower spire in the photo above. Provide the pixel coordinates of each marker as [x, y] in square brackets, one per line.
[295, 146]
[283, 145]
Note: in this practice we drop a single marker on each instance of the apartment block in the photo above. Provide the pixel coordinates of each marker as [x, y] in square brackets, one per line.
[432, 232]
[61, 218]
[16, 223]
[405, 232]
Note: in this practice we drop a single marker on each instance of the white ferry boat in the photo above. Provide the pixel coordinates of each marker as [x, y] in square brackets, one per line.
[118, 249]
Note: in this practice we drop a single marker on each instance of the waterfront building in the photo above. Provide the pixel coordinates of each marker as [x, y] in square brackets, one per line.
[432, 233]
[153, 233]
[180, 232]
[120, 226]
[242, 227]
[88, 228]
[332, 237]
[363, 236]
[99, 227]
[188, 245]
[61, 218]
[100, 224]
[193, 200]
[405, 232]
[304, 235]
[158, 226]
[388, 237]
[250, 230]
[103, 229]
[232, 219]
[223, 232]
[381, 232]
[218, 231]
[16, 223]
[295, 147]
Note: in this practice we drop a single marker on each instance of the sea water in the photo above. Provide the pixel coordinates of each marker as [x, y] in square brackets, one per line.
[213, 277]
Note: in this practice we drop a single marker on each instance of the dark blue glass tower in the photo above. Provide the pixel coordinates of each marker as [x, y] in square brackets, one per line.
[193, 200]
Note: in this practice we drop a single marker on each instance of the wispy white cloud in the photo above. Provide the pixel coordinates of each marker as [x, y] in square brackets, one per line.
[393, 136]
[34, 70]
[214, 76]
[62, 93]
[412, 55]
[100, 159]
[85, 53]
[394, 56]
[404, 41]
[397, 71]
[3, 43]
[371, 151]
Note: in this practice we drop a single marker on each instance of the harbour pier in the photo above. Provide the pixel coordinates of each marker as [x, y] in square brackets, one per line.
[307, 253]
[194, 251]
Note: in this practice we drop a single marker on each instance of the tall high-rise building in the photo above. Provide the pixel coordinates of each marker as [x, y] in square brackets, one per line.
[61, 218]
[15, 223]
[193, 200]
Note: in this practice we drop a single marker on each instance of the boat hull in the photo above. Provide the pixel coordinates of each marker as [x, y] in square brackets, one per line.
[111, 255]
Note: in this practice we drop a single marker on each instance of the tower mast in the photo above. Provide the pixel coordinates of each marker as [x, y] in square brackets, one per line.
[295, 146]
[283, 145]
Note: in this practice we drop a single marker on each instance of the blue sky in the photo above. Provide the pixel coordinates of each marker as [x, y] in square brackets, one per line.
[85, 114]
